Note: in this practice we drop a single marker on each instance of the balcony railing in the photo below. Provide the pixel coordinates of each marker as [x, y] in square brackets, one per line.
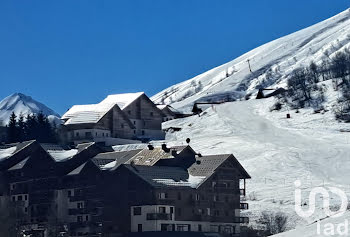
[159, 216]
[243, 206]
[242, 192]
[242, 220]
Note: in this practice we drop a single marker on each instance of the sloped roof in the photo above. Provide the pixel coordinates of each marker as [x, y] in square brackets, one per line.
[206, 165]
[163, 176]
[150, 157]
[111, 160]
[19, 165]
[122, 100]
[92, 113]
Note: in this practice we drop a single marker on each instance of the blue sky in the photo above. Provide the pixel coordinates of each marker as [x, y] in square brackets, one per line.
[76, 52]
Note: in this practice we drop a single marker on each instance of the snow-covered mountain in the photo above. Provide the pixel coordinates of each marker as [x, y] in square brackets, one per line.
[20, 103]
[270, 64]
[311, 147]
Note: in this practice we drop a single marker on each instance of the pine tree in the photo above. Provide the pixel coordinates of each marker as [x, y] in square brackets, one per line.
[13, 129]
[20, 127]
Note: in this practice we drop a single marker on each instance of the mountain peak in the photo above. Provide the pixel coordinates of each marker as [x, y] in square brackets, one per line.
[21, 103]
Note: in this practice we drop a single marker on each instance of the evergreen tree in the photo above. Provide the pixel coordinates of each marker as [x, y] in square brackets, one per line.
[13, 129]
[20, 126]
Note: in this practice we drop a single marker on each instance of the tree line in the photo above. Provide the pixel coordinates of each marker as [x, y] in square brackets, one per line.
[33, 126]
[305, 90]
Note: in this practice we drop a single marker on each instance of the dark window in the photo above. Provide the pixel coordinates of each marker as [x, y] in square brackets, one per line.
[77, 134]
[151, 113]
[79, 218]
[88, 134]
[134, 122]
[26, 197]
[137, 211]
[171, 210]
[87, 218]
[13, 198]
[217, 213]
[143, 132]
[200, 228]
[164, 227]
[139, 227]
[19, 198]
[134, 131]
[25, 209]
[162, 210]
[129, 112]
[69, 193]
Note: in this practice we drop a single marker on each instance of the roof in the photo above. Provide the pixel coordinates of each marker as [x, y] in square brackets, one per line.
[122, 100]
[163, 176]
[150, 157]
[19, 165]
[206, 165]
[7, 152]
[92, 113]
[111, 160]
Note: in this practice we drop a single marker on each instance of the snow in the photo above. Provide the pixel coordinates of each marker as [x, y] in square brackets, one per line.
[123, 100]
[274, 150]
[20, 103]
[62, 155]
[92, 113]
[192, 181]
[110, 165]
[271, 64]
[6, 153]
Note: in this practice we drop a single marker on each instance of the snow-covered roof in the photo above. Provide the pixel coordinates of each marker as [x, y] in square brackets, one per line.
[122, 100]
[162, 176]
[7, 152]
[92, 113]
[62, 155]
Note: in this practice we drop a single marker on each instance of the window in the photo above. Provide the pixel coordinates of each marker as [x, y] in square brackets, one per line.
[151, 113]
[79, 218]
[86, 218]
[199, 228]
[137, 211]
[19, 198]
[143, 132]
[213, 184]
[162, 210]
[216, 213]
[171, 210]
[139, 228]
[216, 198]
[25, 209]
[134, 131]
[200, 211]
[13, 198]
[134, 122]
[77, 134]
[69, 193]
[162, 195]
[208, 211]
[26, 197]
[129, 112]
[88, 134]
[197, 197]
[80, 205]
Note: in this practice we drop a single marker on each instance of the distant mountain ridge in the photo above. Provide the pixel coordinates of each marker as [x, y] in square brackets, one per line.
[267, 66]
[21, 103]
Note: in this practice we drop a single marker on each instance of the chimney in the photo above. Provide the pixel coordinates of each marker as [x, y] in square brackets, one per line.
[150, 147]
[165, 149]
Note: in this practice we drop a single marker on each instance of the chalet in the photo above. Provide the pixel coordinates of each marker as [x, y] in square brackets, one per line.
[84, 191]
[168, 111]
[118, 119]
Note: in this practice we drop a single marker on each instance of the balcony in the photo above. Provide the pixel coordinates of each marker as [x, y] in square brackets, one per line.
[242, 192]
[241, 220]
[159, 216]
[243, 206]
